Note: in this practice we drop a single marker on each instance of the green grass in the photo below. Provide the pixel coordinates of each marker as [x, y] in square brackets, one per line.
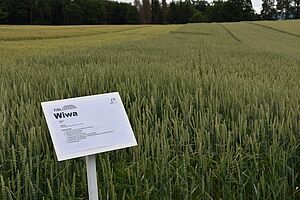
[215, 109]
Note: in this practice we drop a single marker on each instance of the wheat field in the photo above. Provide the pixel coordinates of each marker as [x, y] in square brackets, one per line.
[215, 109]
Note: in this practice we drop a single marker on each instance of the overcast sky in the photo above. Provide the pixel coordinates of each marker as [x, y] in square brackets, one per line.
[256, 3]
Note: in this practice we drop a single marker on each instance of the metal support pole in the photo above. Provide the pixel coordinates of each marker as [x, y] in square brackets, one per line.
[92, 177]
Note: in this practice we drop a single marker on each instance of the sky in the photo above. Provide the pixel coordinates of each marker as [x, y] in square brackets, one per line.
[255, 3]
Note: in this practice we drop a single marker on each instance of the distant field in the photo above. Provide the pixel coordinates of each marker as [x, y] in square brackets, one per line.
[19, 33]
[215, 109]
[291, 26]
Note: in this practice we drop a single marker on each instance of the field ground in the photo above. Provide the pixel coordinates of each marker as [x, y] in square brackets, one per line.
[215, 109]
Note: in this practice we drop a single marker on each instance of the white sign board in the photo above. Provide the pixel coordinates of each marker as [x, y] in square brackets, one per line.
[88, 125]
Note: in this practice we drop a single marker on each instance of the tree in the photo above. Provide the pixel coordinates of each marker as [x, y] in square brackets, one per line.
[241, 10]
[215, 12]
[200, 11]
[132, 15]
[73, 13]
[296, 9]
[3, 10]
[284, 9]
[247, 10]
[172, 13]
[93, 11]
[164, 12]
[57, 12]
[114, 14]
[199, 17]
[201, 5]
[180, 12]
[18, 12]
[231, 11]
[137, 4]
[146, 12]
[268, 11]
[139, 7]
[187, 11]
[42, 12]
[155, 12]
[30, 7]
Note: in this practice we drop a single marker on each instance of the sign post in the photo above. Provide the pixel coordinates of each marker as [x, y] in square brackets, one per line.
[92, 177]
[85, 126]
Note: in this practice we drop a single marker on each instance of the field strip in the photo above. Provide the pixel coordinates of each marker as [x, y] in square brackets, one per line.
[68, 36]
[48, 38]
[192, 33]
[230, 33]
[274, 29]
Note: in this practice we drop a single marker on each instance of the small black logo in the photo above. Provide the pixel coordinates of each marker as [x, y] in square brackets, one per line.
[113, 100]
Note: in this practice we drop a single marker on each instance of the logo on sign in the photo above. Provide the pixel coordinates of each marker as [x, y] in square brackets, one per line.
[113, 100]
[66, 111]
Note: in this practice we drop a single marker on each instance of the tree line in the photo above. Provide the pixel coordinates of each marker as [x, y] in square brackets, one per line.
[60, 12]
[63, 12]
